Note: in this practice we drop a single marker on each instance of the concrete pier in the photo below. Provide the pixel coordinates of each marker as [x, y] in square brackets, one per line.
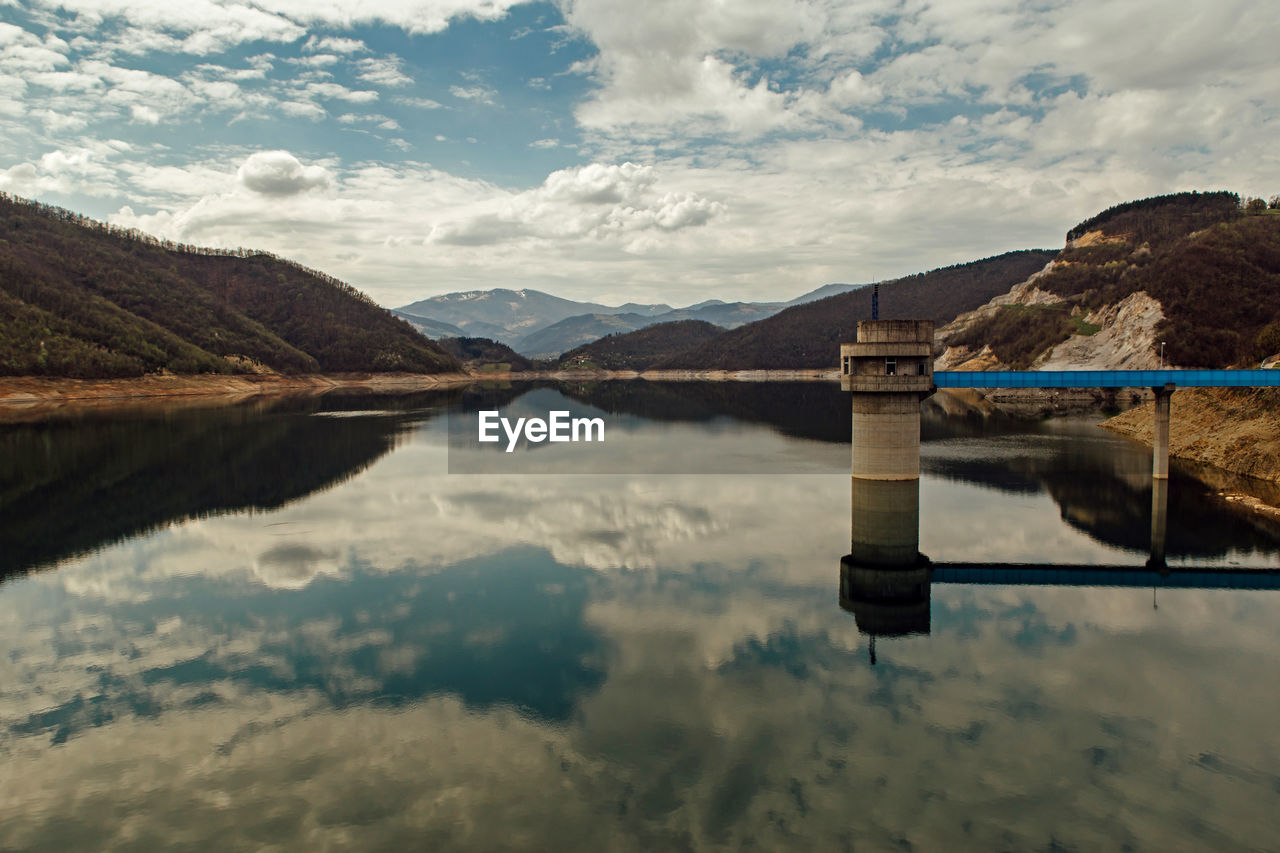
[1159, 521]
[889, 369]
[1160, 434]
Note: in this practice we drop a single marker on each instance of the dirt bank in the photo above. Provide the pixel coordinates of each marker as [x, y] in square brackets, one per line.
[23, 394]
[28, 393]
[1236, 430]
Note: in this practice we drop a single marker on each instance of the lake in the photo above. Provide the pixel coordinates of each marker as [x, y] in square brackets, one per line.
[323, 623]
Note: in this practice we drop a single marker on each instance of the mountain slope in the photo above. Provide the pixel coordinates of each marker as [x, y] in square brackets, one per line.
[1211, 271]
[485, 354]
[429, 328]
[550, 341]
[809, 335]
[79, 298]
[640, 349]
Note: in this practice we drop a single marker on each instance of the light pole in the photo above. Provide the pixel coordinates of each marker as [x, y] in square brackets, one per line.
[1162, 355]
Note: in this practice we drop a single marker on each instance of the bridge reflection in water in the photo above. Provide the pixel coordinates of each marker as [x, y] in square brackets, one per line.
[885, 581]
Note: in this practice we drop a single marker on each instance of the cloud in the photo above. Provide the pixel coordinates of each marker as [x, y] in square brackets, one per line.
[340, 92]
[597, 201]
[383, 71]
[669, 68]
[208, 26]
[335, 44]
[419, 103]
[479, 94]
[278, 173]
[88, 168]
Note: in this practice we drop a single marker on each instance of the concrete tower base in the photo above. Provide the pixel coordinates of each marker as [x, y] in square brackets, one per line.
[886, 436]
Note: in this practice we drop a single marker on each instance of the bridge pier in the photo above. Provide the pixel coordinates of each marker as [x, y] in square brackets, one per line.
[1159, 522]
[1160, 434]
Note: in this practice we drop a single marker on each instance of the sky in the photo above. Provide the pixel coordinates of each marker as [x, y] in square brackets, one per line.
[631, 151]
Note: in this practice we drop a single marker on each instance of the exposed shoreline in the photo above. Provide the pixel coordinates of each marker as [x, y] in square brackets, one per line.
[23, 393]
[1236, 432]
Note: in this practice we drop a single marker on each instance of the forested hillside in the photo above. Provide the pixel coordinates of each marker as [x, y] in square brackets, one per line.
[80, 298]
[1213, 266]
[640, 349]
[809, 335]
[485, 354]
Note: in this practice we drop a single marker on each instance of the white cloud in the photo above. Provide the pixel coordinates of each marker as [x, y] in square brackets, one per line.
[340, 92]
[85, 169]
[302, 109]
[279, 173]
[336, 44]
[383, 71]
[419, 103]
[315, 60]
[208, 26]
[478, 93]
[595, 202]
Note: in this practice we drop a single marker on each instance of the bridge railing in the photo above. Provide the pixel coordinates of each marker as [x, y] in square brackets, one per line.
[1255, 378]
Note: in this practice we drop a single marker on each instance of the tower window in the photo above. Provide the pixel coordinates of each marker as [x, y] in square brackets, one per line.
[890, 367]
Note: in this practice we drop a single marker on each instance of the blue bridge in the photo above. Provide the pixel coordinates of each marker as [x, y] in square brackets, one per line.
[1161, 381]
[1106, 378]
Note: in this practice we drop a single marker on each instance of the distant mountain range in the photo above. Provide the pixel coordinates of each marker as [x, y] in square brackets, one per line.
[539, 325]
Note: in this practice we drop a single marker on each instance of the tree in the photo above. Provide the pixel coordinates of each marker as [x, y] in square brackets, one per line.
[1255, 205]
[1274, 204]
[1269, 340]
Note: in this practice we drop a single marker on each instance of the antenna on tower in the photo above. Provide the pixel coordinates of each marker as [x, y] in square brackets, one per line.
[875, 302]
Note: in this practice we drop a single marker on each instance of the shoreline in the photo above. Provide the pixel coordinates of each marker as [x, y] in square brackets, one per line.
[1228, 430]
[18, 392]
[28, 391]
[30, 397]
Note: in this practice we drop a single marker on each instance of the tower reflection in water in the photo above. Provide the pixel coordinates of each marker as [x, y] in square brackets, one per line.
[885, 581]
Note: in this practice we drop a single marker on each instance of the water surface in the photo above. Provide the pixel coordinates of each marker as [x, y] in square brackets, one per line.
[286, 624]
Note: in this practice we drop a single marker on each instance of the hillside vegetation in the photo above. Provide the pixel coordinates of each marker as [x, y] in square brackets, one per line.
[809, 335]
[1214, 268]
[82, 299]
[485, 354]
[641, 349]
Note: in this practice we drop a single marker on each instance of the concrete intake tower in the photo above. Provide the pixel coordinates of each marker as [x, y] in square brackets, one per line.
[889, 370]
